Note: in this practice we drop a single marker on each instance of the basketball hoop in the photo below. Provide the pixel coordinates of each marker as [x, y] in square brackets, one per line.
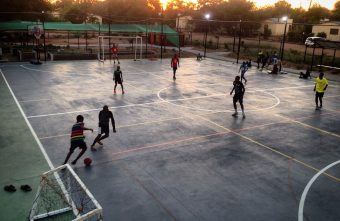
[37, 32]
[36, 29]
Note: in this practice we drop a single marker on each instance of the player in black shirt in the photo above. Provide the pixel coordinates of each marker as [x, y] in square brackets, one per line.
[104, 119]
[238, 96]
[118, 78]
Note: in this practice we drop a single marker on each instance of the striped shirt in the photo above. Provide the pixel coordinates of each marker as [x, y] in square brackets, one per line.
[77, 132]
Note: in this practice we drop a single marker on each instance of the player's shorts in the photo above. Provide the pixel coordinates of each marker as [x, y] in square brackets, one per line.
[238, 98]
[77, 143]
[319, 94]
[118, 81]
[104, 130]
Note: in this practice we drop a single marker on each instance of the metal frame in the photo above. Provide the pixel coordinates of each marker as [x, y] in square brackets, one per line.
[101, 46]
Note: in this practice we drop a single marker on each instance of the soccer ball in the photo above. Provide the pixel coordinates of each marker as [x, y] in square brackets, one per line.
[87, 161]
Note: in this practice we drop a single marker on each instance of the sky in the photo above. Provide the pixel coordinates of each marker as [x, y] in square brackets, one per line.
[295, 3]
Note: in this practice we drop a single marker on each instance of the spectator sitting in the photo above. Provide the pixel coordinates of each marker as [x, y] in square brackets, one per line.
[306, 75]
[199, 57]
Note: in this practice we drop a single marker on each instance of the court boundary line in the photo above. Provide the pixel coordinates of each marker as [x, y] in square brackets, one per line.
[48, 160]
[308, 186]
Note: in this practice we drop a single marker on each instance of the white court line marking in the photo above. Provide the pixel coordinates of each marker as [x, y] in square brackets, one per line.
[208, 110]
[123, 126]
[32, 69]
[96, 109]
[150, 103]
[23, 101]
[49, 162]
[177, 118]
[308, 186]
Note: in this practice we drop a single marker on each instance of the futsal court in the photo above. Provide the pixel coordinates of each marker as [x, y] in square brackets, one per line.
[178, 154]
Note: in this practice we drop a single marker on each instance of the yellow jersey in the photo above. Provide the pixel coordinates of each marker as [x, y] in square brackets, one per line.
[320, 84]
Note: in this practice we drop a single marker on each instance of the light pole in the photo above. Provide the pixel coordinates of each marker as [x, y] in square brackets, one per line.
[239, 41]
[43, 23]
[285, 19]
[162, 30]
[234, 38]
[179, 37]
[207, 17]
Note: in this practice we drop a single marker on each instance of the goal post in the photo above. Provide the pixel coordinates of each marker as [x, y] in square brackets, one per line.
[62, 195]
[129, 45]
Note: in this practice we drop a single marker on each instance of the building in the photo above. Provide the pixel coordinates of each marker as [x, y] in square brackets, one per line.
[330, 28]
[277, 26]
[183, 23]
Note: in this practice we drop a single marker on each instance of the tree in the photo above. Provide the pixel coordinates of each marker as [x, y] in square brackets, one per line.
[266, 32]
[336, 11]
[282, 8]
[316, 13]
[76, 15]
[23, 9]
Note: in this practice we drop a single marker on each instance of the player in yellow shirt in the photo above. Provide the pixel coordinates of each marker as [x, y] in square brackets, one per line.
[321, 85]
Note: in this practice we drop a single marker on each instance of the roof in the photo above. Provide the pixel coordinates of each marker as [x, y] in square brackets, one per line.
[68, 26]
[171, 34]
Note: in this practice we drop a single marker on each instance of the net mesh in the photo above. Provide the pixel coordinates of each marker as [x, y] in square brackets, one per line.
[62, 196]
[129, 47]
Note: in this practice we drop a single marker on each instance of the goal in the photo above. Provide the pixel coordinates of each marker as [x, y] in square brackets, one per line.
[61, 196]
[126, 46]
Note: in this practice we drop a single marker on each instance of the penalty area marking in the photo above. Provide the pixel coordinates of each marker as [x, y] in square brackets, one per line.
[308, 186]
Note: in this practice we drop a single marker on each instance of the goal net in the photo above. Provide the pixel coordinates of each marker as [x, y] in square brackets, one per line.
[63, 196]
[126, 47]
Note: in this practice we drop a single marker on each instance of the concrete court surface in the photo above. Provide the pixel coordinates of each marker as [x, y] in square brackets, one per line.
[178, 154]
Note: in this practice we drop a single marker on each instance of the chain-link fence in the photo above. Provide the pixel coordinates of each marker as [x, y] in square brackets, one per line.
[241, 40]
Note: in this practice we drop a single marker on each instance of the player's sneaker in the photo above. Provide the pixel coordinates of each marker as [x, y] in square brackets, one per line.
[243, 115]
[317, 108]
[114, 91]
[234, 114]
[123, 92]
[100, 143]
[92, 148]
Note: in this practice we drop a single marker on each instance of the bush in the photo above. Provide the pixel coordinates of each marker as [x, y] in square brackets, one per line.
[322, 35]
[210, 44]
[197, 43]
[266, 32]
[226, 46]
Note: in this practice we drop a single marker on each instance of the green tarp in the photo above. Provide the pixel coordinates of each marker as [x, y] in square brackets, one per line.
[171, 35]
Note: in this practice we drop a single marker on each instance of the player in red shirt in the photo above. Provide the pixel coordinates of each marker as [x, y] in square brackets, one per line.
[114, 51]
[174, 64]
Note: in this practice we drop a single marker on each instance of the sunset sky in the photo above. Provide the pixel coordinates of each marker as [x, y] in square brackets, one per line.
[295, 3]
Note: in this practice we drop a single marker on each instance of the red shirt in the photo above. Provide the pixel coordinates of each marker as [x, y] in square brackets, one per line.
[114, 50]
[174, 62]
